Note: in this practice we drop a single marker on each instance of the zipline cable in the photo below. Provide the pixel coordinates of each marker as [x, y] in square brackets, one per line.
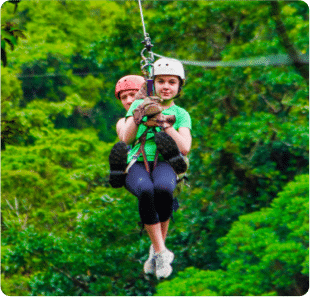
[275, 60]
[142, 18]
[271, 60]
[280, 59]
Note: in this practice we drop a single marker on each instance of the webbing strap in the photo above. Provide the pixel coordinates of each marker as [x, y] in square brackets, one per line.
[156, 159]
[141, 150]
[146, 163]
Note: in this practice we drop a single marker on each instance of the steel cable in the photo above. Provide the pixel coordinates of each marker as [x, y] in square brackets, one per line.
[280, 59]
[142, 19]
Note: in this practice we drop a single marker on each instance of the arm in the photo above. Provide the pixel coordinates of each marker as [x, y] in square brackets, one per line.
[130, 130]
[182, 138]
[120, 126]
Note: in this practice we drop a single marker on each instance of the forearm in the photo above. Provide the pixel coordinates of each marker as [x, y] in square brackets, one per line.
[120, 125]
[182, 139]
[130, 131]
[120, 133]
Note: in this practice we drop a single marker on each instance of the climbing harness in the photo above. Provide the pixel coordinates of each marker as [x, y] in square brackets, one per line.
[141, 141]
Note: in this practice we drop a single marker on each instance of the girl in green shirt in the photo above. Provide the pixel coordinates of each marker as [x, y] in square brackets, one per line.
[154, 188]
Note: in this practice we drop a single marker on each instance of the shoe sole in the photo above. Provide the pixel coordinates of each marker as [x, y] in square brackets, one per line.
[118, 164]
[170, 152]
[166, 273]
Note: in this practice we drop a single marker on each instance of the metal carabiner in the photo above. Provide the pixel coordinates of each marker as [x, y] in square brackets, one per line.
[142, 55]
[151, 55]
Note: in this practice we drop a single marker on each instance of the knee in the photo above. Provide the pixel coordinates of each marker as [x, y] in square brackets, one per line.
[145, 190]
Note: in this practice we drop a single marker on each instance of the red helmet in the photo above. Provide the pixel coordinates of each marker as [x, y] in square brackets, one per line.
[129, 82]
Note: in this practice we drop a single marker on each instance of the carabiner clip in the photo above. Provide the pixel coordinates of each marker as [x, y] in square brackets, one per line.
[147, 42]
[151, 55]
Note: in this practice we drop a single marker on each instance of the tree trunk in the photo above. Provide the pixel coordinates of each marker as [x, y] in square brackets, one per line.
[2, 221]
[302, 69]
[2, 144]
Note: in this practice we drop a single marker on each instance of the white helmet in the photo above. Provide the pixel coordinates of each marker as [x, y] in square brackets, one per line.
[166, 66]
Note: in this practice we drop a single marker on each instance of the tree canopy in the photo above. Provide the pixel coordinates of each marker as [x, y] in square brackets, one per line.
[242, 227]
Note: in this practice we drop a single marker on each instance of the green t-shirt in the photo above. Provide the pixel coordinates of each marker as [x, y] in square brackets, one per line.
[182, 120]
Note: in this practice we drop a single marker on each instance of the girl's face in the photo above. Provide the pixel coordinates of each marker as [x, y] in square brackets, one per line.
[167, 86]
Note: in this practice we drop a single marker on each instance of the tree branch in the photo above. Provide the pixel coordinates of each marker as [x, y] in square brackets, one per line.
[301, 68]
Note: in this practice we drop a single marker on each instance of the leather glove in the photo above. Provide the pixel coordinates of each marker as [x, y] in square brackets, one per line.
[160, 120]
[142, 93]
[149, 107]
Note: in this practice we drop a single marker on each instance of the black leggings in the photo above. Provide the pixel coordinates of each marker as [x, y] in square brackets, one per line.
[154, 191]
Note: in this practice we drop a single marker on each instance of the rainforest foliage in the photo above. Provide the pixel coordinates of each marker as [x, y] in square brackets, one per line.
[242, 227]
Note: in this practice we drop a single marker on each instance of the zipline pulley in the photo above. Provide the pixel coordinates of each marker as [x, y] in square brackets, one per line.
[147, 61]
[147, 42]
[147, 69]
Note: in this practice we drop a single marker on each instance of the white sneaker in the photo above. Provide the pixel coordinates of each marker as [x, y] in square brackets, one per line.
[162, 263]
[149, 265]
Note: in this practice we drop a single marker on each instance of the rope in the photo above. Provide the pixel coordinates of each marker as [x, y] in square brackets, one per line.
[280, 59]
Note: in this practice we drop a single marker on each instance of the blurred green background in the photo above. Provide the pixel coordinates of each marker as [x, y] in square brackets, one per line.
[242, 228]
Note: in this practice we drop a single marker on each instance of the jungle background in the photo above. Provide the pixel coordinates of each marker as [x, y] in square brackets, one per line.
[242, 226]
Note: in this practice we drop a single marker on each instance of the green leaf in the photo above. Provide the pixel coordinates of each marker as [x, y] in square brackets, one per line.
[10, 39]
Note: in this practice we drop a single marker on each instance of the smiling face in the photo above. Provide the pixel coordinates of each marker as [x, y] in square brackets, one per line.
[167, 86]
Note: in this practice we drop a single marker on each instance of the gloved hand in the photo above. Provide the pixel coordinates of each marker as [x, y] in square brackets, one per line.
[160, 120]
[142, 93]
[149, 107]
